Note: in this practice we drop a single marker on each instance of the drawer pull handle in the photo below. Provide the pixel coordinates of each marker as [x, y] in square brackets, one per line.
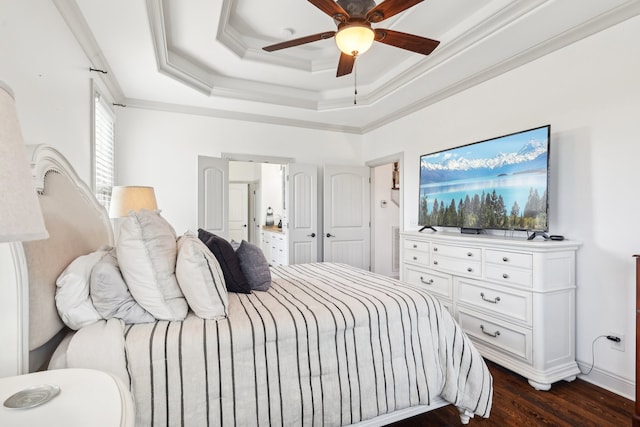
[505, 259]
[415, 258]
[469, 253]
[435, 262]
[469, 269]
[494, 335]
[492, 301]
[415, 246]
[435, 249]
[426, 282]
[505, 276]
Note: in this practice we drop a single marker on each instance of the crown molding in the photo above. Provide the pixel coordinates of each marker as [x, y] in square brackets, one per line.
[72, 15]
[234, 115]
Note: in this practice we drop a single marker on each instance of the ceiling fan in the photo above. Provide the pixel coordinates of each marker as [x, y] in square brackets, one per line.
[355, 35]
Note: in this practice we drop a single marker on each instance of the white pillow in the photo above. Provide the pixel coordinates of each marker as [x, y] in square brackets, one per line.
[110, 294]
[200, 278]
[146, 252]
[72, 292]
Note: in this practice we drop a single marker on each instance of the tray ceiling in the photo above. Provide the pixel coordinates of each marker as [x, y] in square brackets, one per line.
[205, 56]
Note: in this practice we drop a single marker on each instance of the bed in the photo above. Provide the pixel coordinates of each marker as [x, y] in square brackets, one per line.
[326, 345]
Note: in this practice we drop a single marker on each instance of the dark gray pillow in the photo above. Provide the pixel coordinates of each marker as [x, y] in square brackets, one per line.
[228, 260]
[254, 266]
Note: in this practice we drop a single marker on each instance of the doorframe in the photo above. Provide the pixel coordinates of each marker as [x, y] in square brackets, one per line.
[254, 202]
[241, 157]
[395, 157]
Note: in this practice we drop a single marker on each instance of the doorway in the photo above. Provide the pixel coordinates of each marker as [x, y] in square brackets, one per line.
[386, 212]
[288, 191]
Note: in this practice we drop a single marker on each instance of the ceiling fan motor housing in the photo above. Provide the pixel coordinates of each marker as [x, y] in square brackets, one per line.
[357, 8]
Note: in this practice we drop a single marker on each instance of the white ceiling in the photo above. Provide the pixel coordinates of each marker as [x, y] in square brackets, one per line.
[205, 56]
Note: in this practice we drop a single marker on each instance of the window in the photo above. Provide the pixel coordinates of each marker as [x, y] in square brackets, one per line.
[103, 149]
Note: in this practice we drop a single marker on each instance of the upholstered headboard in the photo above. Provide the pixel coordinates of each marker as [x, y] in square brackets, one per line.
[77, 225]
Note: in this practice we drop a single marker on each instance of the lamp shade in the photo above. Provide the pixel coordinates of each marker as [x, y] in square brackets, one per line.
[354, 39]
[131, 198]
[20, 213]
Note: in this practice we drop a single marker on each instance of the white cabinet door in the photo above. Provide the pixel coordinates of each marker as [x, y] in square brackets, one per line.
[346, 215]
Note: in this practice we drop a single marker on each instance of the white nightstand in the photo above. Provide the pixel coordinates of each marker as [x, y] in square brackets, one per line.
[87, 398]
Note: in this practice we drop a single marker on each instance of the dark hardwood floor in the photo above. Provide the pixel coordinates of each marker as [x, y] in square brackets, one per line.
[516, 403]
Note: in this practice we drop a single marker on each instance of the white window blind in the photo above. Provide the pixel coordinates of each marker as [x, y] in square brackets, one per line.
[104, 141]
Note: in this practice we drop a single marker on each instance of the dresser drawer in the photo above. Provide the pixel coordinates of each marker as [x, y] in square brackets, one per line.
[508, 338]
[509, 276]
[416, 245]
[510, 259]
[457, 266]
[511, 304]
[472, 254]
[439, 284]
[415, 257]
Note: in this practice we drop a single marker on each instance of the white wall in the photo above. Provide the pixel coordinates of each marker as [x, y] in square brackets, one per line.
[161, 149]
[384, 217]
[244, 171]
[49, 74]
[590, 94]
[272, 192]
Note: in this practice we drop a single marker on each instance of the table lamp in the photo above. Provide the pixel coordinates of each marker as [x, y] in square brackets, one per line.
[20, 214]
[131, 198]
[20, 220]
[125, 199]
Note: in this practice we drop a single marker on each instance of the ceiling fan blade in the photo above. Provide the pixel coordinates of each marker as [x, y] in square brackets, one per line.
[301, 40]
[388, 8]
[406, 41]
[332, 9]
[345, 65]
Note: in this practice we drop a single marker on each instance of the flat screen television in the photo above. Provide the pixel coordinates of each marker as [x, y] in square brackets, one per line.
[499, 183]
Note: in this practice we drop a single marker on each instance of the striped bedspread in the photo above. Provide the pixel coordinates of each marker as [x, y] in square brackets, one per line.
[327, 345]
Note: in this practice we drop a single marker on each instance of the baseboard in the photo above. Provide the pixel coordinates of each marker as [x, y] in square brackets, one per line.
[608, 381]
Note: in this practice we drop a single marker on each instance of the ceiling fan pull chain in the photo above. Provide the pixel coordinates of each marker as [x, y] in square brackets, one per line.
[355, 80]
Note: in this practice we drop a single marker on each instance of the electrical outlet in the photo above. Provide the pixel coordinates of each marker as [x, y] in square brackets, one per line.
[617, 345]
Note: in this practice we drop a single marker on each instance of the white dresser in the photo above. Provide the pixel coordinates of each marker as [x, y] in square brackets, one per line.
[515, 298]
[274, 246]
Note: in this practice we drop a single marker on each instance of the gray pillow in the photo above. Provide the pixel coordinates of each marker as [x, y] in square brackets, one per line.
[110, 294]
[254, 266]
[234, 278]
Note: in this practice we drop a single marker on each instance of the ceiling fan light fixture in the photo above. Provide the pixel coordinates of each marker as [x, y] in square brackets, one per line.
[354, 39]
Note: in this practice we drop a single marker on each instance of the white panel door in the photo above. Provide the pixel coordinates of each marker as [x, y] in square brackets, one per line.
[213, 195]
[302, 213]
[346, 215]
[239, 211]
